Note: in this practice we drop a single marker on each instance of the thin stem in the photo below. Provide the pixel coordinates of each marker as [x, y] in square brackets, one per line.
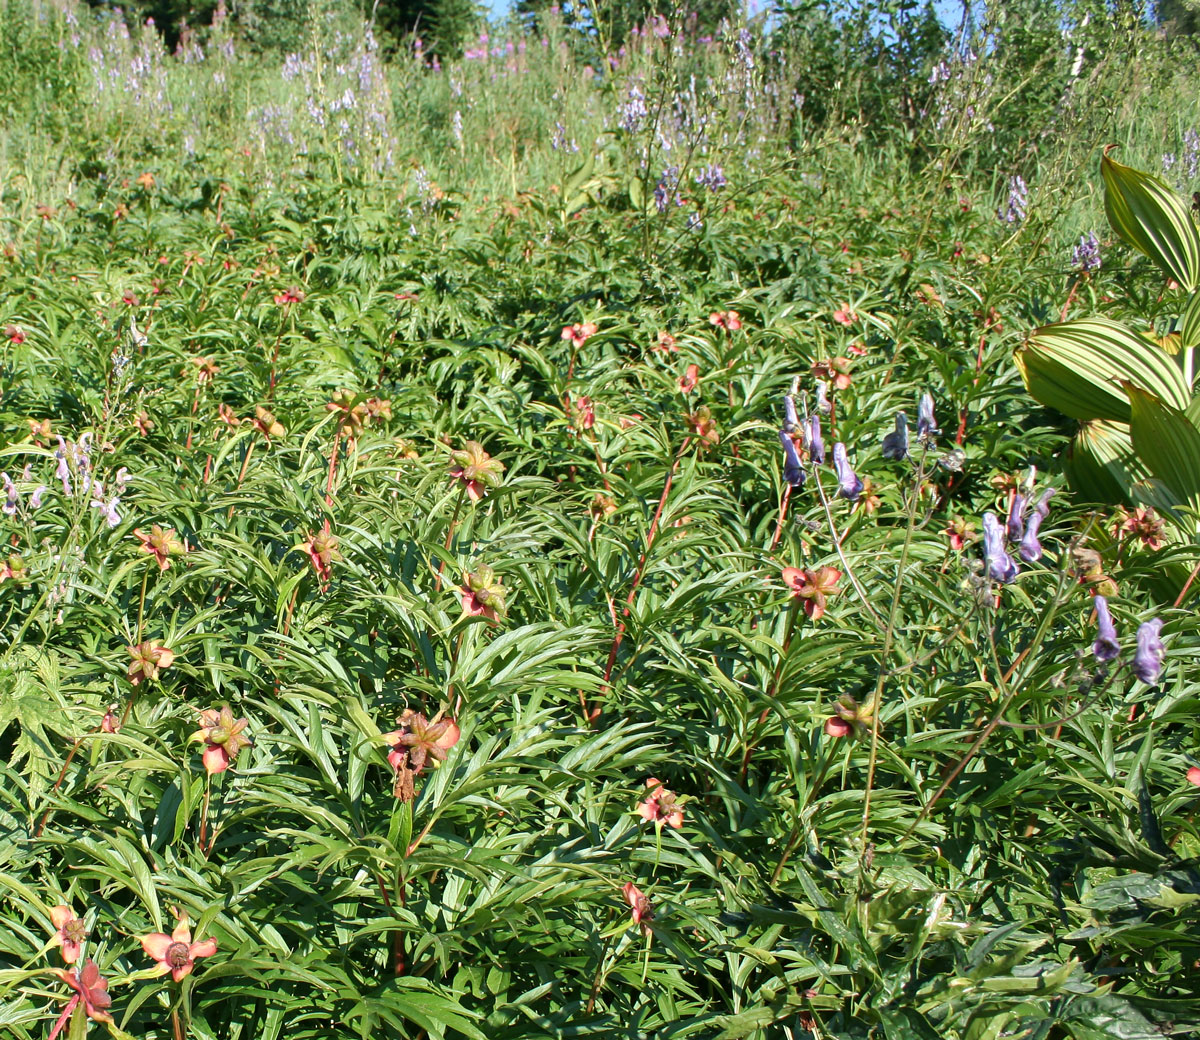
[176, 1025]
[837, 545]
[437, 584]
[888, 637]
[772, 690]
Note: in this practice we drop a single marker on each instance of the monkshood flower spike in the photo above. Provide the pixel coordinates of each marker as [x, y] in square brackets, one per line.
[793, 469]
[849, 484]
[1106, 647]
[1001, 566]
[1148, 660]
[895, 444]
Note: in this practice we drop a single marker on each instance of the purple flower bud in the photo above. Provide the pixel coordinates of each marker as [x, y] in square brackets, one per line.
[793, 470]
[1015, 528]
[1106, 647]
[791, 421]
[816, 446]
[895, 444]
[849, 484]
[926, 427]
[1147, 661]
[1001, 566]
[35, 500]
[13, 500]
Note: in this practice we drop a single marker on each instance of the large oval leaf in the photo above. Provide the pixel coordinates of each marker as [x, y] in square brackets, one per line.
[1167, 440]
[1102, 467]
[1078, 368]
[1153, 219]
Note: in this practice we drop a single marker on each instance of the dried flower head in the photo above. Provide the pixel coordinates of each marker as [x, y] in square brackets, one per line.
[90, 990]
[265, 422]
[419, 742]
[482, 593]
[322, 551]
[704, 427]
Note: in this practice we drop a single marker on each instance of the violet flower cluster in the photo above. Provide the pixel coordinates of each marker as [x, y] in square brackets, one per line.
[1147, 658]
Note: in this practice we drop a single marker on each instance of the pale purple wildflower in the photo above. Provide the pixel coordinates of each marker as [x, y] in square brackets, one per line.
[1148, 660]
[63, 471]
[791, 421]
[1015, 527]
[711, 177]
[12, 499]
[1018, 201]
[1106, 647]
[1001, 566]
[850, 485]
[823, 405]
[35, 500]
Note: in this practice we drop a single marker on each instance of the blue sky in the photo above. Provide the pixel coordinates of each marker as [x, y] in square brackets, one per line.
[949, 10]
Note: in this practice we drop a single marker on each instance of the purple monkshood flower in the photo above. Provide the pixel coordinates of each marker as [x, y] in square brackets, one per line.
[1148, 660]
[1015, 527]
[63, 471]
[35, 500]
[1001, 566]
[1031, 548]
[1018, 201]
[1086, 256]
[895, 444]
[816, 446]
[926, 427]
[1106, 647]
[850, 484]
[711, 177]
[12, 499]
[793, 469]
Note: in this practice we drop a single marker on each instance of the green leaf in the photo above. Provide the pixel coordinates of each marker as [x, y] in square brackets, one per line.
[1102, 466]
[1078, 368]
[1189, 322]
[1153, 219]
[1169, 443]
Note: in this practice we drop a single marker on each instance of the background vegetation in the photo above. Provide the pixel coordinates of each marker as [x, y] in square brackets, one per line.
[258, 283]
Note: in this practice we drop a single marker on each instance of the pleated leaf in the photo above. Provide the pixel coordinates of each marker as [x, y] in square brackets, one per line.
[1167, 440]
[1078, 368]
[1153, 219]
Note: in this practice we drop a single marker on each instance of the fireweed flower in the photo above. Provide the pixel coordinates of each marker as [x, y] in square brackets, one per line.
[816, 446]
[148, 661]
[176, 953]
[639, 906]
[483, 593]
[1107, 646]
[475, 470]
[1031, 549]
[813, 587]
[70, 932]
[926, 427]
[661, 806]
[1001, 566]
[91, 990]
[793, 469]
[690, 379]
[850, 484]
[578, 333]
[223, 737]
[895, 444]
[1148, 659]
[161, 543]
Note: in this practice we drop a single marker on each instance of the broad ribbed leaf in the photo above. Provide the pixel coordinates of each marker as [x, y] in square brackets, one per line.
[1189, 322]
[1169, 443]
[1153, 219]
[1078, 367]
